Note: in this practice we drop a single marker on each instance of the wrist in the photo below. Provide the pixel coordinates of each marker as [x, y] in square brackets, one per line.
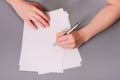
[85, 34]
[13, 3]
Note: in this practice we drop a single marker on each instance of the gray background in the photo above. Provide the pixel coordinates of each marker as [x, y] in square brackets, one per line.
[101, 55]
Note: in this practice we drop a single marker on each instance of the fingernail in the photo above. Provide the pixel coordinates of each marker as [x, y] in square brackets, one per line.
[48, 19]
[43, 26]
[48, 25]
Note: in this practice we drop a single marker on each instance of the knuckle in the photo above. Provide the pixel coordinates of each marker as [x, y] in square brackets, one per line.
[26, 20]
[60, 38]
[71, 36]
[35, 3]
[39, 11]
[29, 16]
[42, 20]
[31, 6]
[35, 21]
[73, 40]
[39, 18]
[74, 46]
[34, 8]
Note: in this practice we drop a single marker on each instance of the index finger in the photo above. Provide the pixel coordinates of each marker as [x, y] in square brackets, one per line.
[44, 15]
[60, 34]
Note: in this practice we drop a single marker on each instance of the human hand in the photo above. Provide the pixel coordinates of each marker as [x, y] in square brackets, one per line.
[72, 40]
[31, 13]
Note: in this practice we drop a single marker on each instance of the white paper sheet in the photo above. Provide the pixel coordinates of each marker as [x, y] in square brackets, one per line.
[38, 53]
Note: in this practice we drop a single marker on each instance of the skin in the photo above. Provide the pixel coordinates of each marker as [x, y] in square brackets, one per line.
[33, 14]
[110, 13]
[30, 12]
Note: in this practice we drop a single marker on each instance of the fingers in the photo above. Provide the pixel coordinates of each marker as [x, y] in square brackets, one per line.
[61, 38]
[33, 14]
[70, 46]
[64, 43]
[30, 23]
[40, 16]
[36, 21]
[67, 44]
[60, 34]
[40, 20]
[41, 12]
[67, 41]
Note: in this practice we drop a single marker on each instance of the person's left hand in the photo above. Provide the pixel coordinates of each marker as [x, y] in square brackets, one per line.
[70, 41]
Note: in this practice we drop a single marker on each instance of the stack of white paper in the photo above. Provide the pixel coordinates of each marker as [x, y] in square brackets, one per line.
[38, 53]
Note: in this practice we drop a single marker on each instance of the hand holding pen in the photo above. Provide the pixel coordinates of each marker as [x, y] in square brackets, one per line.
[71, 39]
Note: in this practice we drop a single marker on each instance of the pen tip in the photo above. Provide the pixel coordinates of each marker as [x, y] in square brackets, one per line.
[54, 44]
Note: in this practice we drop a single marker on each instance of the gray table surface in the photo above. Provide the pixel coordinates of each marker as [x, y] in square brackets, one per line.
[101, 55]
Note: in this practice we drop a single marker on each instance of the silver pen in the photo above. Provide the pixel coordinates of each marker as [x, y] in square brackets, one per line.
[72, 29]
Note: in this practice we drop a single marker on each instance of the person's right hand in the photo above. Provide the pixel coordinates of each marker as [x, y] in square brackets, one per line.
[31, 13]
